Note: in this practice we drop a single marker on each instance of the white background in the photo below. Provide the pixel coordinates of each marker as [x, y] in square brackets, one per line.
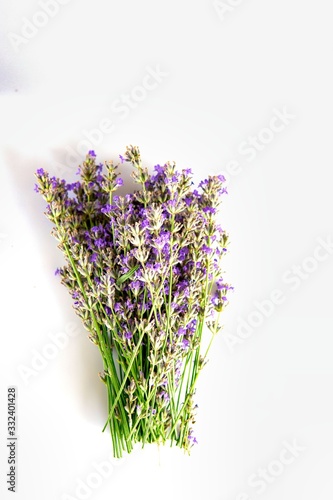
[226, 71]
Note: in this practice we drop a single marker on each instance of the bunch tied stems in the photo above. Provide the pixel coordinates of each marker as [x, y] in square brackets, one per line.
[144, 272]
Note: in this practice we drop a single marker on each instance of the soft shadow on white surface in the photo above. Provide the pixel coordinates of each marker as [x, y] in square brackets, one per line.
[80, 362]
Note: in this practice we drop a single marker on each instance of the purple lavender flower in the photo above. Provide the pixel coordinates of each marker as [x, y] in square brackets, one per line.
[206, 249]
[183, 253]
[107, 209]
[144, 223]
[210, 210]
[203, 183]
[185, 343]
[129, 304]
[118, 307]
[220, 284]
[100, 243]
[54, 182]
[192, 439]
[165, 396]
[192, 326]
[135, 285]
[159, 169]
[93, 257]
[215, 300]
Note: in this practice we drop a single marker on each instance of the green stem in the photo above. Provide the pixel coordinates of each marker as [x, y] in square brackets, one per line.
[135, 352]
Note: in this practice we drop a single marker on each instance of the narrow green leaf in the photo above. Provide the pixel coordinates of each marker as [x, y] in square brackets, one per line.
[127, 275]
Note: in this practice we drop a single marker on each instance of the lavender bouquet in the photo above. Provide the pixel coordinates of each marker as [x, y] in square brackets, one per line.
[144, 271]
